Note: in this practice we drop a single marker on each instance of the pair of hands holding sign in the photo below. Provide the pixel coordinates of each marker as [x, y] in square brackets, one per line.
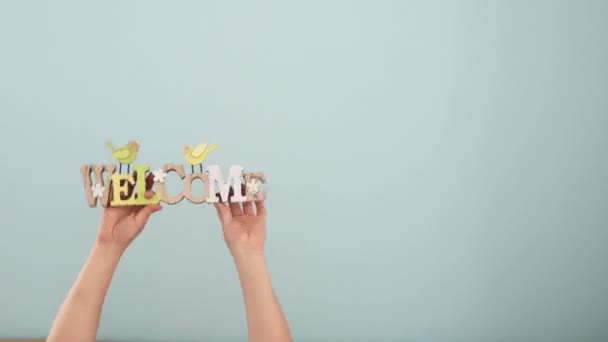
[243, 224]
[244, 229]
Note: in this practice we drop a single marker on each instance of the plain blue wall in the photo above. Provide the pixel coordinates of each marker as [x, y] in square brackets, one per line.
[438, 170]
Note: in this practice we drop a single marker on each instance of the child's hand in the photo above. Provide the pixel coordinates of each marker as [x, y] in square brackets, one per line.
[121, 225]
[244, 228]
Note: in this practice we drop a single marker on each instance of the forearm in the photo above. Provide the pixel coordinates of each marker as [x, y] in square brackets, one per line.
[78, 317]
[265, 319]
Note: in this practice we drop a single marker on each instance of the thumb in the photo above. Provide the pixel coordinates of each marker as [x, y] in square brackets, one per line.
[142, 216]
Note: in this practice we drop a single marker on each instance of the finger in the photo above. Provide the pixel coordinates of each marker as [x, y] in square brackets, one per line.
[223, 212]
[142, 216]
[235, 209]
[260, 208]
[149, 194]
[248, 208]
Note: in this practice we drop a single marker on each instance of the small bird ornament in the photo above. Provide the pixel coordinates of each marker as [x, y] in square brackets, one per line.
[197, 155]
[125, 154]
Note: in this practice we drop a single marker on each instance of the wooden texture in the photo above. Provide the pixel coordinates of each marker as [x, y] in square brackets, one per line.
[122, 189]
[161, 189]
[102, 183]
[216, 179]
[261, 195]
[188, 187]
[98, 171]
[130, 189]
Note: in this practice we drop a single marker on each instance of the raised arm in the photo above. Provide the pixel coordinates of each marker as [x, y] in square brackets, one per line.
[245, 233]
[78, 316]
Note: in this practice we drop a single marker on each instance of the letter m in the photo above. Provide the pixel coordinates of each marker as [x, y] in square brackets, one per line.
[218, 185]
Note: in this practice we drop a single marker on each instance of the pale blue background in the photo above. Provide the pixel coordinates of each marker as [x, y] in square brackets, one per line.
[438, 171]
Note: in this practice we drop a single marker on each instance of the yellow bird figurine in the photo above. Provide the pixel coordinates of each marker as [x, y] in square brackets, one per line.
[125, 154]
[196, 155]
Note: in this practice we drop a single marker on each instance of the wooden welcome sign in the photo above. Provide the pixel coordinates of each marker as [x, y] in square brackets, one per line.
[102, 183]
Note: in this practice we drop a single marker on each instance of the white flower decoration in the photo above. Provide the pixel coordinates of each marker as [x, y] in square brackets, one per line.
[253, 187]
[98, 190]
[159, 175]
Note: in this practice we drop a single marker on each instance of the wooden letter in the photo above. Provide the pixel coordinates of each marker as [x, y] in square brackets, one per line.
[217, 184]
[162, 189]
[131, 188]
[139, 198]
[257, 195]
[121, 186]
[188, 187]
[92, 192]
